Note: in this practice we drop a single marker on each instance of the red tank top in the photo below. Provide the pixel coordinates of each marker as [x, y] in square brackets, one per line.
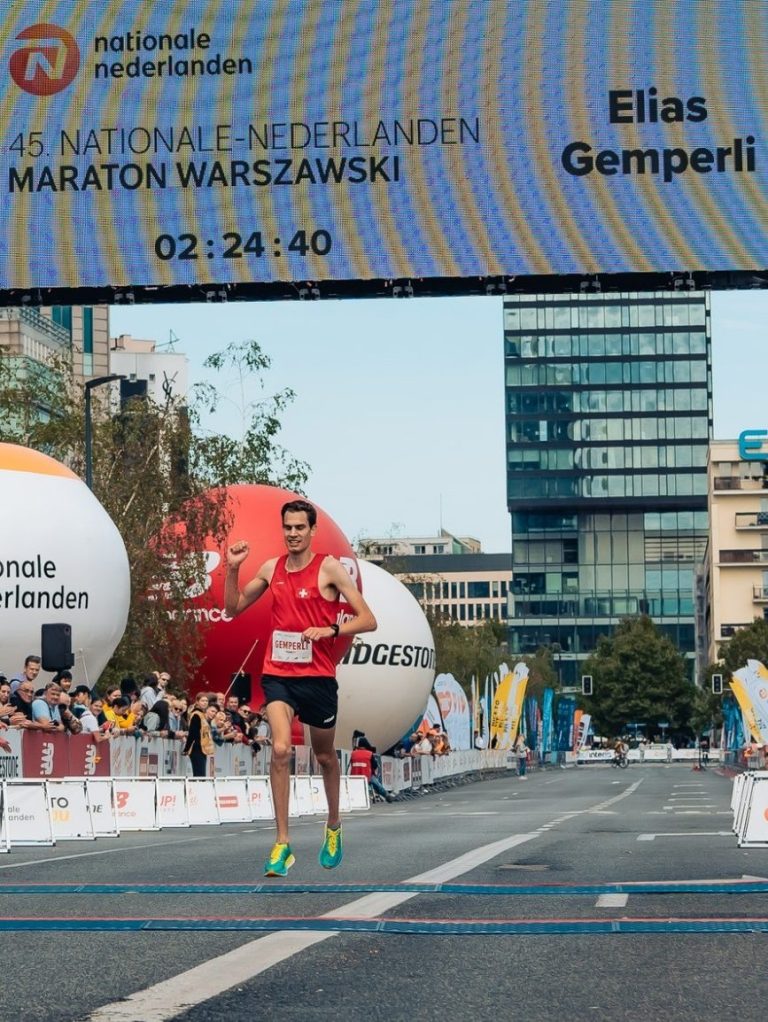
[297, 603]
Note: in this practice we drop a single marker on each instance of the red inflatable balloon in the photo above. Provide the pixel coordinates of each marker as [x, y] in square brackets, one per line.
[232, 645]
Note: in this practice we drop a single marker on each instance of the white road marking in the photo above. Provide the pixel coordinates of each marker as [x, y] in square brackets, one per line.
[111, 851]
[697, 833]
[612, 901]
[692, 805]
[169, 998]
[489, 812]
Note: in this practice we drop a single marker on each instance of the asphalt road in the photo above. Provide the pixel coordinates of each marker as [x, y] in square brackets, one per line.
[568, 828]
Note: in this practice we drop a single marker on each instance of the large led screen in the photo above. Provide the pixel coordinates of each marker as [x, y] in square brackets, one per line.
[237, 141]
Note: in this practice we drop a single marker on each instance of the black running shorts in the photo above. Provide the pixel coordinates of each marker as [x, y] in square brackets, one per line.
[314, 698]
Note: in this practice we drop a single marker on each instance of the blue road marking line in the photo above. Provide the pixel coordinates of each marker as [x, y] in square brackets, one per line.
[428, 927]
[653, 887]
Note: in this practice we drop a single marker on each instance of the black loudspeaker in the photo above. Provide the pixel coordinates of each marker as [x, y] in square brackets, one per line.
[241, 687]
[56, 645]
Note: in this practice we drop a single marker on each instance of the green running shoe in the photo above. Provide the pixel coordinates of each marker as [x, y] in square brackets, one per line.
[331, 853]
[280, 860]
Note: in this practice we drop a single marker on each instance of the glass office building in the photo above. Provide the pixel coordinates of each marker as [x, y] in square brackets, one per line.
[608, 418]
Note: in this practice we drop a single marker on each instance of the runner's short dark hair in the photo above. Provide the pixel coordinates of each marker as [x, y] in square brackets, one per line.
[300, 505]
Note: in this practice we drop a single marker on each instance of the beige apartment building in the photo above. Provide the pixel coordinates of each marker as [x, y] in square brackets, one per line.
[449, 575]
[39, 334]
[732, 582]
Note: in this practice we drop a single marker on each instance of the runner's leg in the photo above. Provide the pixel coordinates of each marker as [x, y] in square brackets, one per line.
[322, 740]
[279, 718]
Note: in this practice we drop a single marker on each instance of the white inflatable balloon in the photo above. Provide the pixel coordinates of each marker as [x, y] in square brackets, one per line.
[386, 678]
[62, 561]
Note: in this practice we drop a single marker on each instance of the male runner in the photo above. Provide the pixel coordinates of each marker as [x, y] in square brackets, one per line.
[299, 664]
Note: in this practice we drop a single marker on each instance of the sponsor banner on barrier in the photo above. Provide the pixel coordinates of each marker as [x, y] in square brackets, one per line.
[4, 845]
[45, 755]
[123, 756]
[232, 800]
[303, 793]
[87, 757]
[136, 803]
[595, 755]
[171, 794]
[319, 801]
[11, 766]
[302, 760]
[150, 756]
[172, 760]
[70, 813]
[103, 807]
[260, 798]
[293, 804]
[201, 801]
[26, 817]
[357, 793]
[344, 803]
[242, 761]
[753, 818]
[222, 761]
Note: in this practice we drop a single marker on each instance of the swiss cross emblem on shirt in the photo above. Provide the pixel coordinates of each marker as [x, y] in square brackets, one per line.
[303, 594]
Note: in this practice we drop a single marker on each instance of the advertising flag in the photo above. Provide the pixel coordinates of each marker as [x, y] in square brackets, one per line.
[583, 730]
[546, 720]
[454, 709]
[565, 711]
[750, 686]
[507, 707]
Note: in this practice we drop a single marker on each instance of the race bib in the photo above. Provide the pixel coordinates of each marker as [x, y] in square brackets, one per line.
[291, 647]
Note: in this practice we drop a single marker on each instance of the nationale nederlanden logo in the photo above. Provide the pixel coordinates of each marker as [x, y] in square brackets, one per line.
[47, 61]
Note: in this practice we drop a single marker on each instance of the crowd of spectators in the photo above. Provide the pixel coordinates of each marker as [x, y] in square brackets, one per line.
[125, 710]
[431, 741]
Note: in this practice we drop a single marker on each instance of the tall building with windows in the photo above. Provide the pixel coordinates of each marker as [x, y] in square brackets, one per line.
[733, 578]
[80, 332]
[608, 417]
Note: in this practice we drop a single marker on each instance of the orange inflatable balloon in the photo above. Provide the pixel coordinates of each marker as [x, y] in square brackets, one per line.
[231, 645]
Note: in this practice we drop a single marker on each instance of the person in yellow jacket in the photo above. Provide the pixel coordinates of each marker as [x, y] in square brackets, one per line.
[199, 744]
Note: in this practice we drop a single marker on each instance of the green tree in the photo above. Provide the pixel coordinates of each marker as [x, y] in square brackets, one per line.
[463, 650]
[159, 475]
[638, 675]
[750, 643]
[542, 671]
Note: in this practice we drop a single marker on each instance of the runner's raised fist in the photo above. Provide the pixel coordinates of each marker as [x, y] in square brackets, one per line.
[237, 553]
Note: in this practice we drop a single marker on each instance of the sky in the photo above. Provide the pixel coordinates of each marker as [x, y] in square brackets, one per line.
[399, 406]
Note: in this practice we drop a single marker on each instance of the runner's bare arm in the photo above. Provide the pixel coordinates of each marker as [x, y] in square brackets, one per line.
[333, 573]
[236, 600]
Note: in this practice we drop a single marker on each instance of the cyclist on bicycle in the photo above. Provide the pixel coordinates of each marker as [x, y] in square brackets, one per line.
[620, 750]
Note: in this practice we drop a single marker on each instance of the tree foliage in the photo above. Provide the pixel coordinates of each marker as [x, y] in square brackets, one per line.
[159, 475]
[749, 643]
[639, 676]
[464, 651]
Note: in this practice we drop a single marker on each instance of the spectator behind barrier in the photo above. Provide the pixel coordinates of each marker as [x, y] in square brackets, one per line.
[83, 710]
[421, 745]
[124, 719]
[149, 693]
[45, 709]
[30, 673]
[70, 721]
[7, 709]
[363, 763]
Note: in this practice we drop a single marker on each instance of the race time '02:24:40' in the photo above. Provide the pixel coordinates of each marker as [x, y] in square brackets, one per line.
[234, 245]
